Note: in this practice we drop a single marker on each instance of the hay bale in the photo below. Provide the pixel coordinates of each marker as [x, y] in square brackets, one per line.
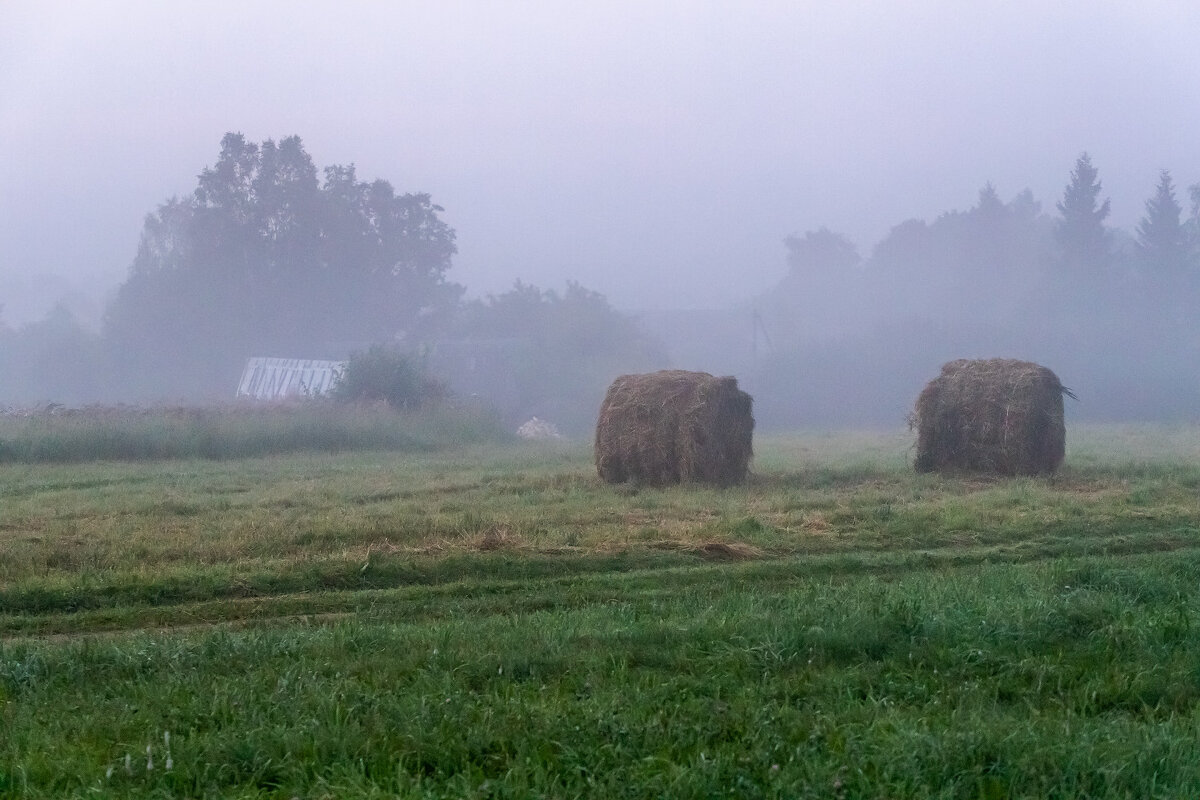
[674, 426]
[994, 415]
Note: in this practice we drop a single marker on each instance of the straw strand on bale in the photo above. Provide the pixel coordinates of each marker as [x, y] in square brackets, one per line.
[994, 415]
[674, 426]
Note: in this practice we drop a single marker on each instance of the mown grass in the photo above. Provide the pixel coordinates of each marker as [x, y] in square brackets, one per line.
[493, 622]
[137, 537]
[1052, 679]
[238, 431]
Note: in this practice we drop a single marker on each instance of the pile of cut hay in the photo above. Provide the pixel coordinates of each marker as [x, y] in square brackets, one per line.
[670, 427]
[994, 415]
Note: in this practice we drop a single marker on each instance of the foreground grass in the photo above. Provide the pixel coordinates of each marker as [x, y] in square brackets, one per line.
[1070, 679]
[493, 622]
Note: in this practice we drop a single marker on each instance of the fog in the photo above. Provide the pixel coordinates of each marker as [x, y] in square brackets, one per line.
[658, 154]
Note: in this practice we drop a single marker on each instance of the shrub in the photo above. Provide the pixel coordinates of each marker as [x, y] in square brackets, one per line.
[386, 374]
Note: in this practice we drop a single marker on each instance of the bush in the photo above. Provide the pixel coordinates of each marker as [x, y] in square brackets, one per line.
[386, 374]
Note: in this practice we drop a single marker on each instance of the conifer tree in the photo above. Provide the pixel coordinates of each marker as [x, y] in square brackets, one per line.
[1083, 240]
[1161, 238]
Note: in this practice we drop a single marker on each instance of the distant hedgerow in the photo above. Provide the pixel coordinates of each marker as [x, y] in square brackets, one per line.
[129, 433]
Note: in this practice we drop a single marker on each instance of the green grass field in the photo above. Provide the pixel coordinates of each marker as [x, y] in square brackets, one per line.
[488, 620]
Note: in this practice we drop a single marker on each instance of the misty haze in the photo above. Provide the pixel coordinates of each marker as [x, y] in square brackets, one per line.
[627, 399]
[274, 255]
[757, 196]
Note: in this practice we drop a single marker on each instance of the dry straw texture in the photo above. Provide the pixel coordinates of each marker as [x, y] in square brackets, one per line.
[994, 415]
[673, 426]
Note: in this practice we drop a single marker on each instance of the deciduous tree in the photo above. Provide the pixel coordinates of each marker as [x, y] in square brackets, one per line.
[557, 352]
[266, 258]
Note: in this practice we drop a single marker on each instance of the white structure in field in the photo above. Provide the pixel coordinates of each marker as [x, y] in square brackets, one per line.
[278, 378]
[539, 429]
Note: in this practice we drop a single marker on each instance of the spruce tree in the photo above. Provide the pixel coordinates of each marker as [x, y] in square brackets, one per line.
[1083, 240]
[1161, 239]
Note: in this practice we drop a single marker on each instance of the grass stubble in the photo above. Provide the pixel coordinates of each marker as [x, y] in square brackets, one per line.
[491, 621]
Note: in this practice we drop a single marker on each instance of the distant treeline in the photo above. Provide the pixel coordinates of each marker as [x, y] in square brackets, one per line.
[853, 339]
[270, 257]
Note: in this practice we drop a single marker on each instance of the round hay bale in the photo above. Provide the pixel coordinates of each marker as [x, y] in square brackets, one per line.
[995, 415]
[674, 426]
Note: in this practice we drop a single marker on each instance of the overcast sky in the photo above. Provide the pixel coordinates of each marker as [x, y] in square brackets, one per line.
[657, 152]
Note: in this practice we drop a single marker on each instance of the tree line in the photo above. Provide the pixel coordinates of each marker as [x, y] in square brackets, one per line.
[270, 255]
[1111, 310]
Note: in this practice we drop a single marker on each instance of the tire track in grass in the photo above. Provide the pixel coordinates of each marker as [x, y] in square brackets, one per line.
[510, 596]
